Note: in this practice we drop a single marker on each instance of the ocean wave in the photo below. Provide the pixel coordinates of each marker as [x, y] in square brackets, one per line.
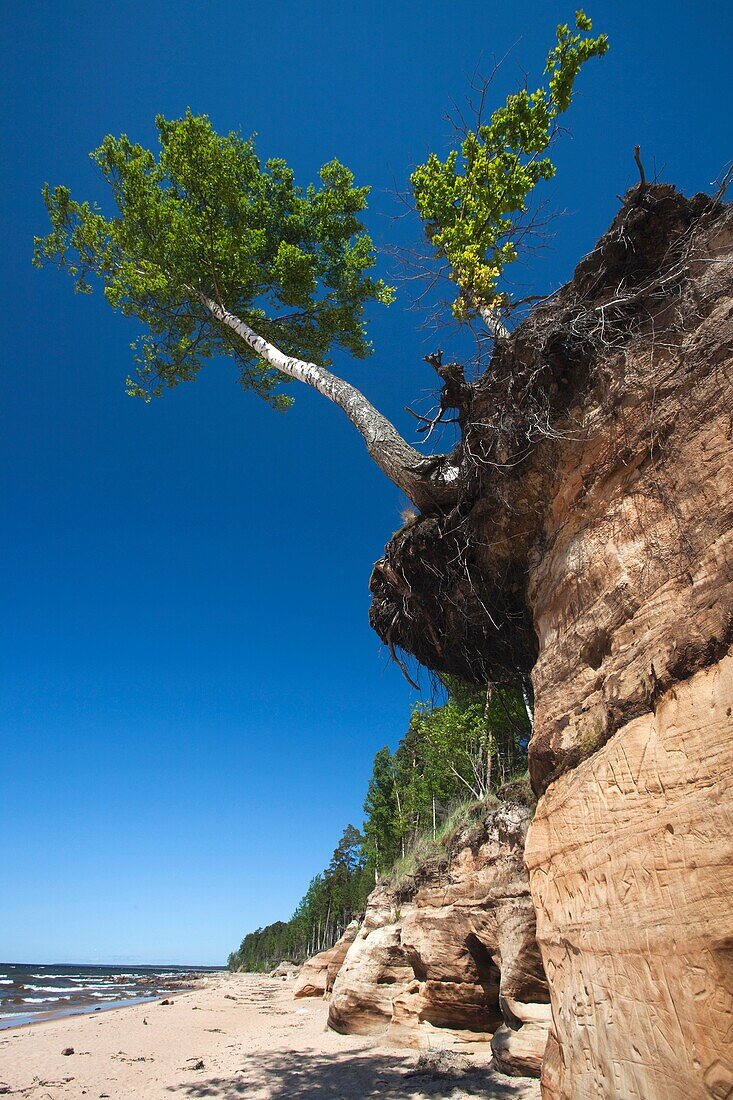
[72, 977]
[42, 1000]
[75, 976]
[54, 988]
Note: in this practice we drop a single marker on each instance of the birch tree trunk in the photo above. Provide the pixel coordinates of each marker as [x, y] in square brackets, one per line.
[426, 481]
[493, 322]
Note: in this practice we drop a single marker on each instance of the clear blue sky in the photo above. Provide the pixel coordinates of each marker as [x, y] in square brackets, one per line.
[191, 693]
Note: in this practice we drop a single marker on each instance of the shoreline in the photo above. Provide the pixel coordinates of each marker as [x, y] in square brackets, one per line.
[86, 989]
[237, 1036]
[31, 1019]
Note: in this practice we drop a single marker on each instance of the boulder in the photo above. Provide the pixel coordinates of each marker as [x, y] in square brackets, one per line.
[286, 970]
[518, 1049]
[318, 973]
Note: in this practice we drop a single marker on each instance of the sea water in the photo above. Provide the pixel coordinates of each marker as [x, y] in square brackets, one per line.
[28, 992]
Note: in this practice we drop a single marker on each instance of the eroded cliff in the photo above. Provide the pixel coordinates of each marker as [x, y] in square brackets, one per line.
[449, 956]
[593, 543]
[318, 973]
[632, 873]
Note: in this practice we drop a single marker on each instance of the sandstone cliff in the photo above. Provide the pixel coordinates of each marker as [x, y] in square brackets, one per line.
[632, 873]
[318, 973]
[593, 544]
[449, 956]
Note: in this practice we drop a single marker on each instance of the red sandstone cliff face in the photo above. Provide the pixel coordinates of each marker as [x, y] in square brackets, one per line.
[595, 543]
[451, 956]
[631, 864]
[631, 856]
[632, 584]
[318, 974]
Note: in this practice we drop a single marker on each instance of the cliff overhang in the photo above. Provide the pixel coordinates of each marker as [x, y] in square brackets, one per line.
[582, 408]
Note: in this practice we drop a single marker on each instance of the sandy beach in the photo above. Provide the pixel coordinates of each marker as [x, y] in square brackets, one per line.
[238, 1036]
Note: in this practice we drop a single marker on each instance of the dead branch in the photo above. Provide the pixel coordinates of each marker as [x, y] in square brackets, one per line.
[640, 166]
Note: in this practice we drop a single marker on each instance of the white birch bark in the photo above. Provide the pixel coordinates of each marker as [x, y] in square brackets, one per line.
[494, 324]
[422, 479]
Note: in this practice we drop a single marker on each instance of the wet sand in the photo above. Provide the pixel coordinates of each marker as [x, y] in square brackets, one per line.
[239, 1036]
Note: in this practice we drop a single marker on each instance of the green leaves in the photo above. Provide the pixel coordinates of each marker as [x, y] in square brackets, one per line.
[450, 753]
[205, 216]
[202, 216]
[470, 201]
[295, 272]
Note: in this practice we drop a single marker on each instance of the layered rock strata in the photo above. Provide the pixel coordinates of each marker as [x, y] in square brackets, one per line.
[631, 855]
[451, 957]
[597, 472]
[631, 863]
[318, 973]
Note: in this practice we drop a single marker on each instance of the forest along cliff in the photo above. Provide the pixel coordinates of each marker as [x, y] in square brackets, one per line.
[446, 953]
[592, 543]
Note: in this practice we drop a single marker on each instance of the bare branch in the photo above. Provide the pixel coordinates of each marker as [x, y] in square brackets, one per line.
[640, 166]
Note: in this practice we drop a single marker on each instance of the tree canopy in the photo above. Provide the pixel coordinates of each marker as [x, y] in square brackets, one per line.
[334, 897]
[469, 201]
[205, 216]
[453, 753]
[460, 750]
[216, 253]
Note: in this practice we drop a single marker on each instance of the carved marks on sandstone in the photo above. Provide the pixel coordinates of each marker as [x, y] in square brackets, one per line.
[631, 866]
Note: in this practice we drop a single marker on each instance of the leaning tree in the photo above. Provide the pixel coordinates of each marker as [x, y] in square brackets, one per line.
[217, 254]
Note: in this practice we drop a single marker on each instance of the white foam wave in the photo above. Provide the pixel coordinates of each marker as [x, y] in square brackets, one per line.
[71, 977]
[106, 996]
[42, 1000]
[53, 988]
